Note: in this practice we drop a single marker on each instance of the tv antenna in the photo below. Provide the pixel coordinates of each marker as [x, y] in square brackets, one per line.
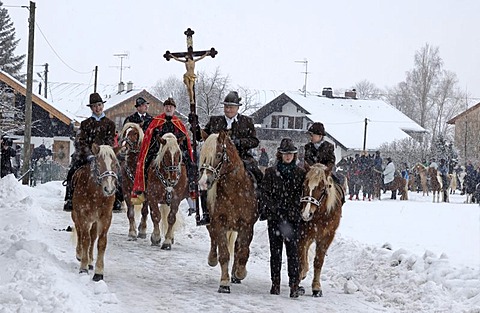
[305, 61]
[122, 56]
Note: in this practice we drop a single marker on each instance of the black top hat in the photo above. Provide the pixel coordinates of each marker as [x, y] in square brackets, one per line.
[287, 146]
[169, 101]
[317, 128]
[140, 101]
[232, 99]
[95, 98]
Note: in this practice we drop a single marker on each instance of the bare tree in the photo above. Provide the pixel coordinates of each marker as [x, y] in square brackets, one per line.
[210, 92]
[249, 99]
[11, 117]
[367, 90]
[175, 88]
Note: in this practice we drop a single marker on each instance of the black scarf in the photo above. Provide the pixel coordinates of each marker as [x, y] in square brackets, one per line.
[286, 169]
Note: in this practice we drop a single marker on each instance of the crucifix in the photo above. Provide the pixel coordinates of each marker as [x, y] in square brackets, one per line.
[189, 80]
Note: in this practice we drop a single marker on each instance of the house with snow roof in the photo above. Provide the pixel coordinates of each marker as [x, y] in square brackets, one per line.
[467, 128]
[351, 124]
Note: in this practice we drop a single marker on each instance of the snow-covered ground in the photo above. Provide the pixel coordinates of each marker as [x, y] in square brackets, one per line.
[388, 256]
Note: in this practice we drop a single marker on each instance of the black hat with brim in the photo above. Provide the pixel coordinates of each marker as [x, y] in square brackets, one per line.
[95, 98]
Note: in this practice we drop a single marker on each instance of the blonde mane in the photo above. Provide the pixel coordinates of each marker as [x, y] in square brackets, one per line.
[171, 145]
[127, 127]
[315, 176]
[209, 150]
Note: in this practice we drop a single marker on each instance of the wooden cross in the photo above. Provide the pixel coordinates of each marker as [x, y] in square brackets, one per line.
[189, 81]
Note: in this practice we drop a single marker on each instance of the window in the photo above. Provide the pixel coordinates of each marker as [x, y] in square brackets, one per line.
[274, 121]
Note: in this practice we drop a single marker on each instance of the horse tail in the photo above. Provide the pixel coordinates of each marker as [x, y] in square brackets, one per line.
[231, 238]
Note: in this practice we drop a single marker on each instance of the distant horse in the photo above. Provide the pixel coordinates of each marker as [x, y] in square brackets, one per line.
[453, 183]
[422, 172]
[167, 186]
[400, 186]
[321, 211]
[435, 184]
[131, 137]
[93, 197]
[232, 203]
[377, 183]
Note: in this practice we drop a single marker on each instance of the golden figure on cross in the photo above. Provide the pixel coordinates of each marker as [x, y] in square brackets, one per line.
[189, 59]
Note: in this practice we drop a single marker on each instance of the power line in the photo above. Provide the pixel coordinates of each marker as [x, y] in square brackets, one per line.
[58, 56]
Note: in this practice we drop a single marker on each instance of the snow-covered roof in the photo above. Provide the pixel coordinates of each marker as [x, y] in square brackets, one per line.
[344, 119]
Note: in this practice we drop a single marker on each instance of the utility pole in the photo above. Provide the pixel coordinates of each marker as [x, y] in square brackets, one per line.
[365, 136]
[305, 61]
[28, 100]
[46, 79]
[121, 56]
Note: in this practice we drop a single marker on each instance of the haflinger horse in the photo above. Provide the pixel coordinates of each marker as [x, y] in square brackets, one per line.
[436, 184]
[131, 139]
[232, 207]
[93, 198]
[422, 172]
[400, 185]
[321, 212]
[166, 187]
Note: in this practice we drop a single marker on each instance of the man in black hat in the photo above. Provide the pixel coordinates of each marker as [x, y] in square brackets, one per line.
[241, 131]
[96, 129]
[318, 150]
[140, 117]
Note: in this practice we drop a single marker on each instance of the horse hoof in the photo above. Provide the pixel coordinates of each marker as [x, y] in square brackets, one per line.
[317, 293]
[166, 246]
[301, 290]
[132, 238]
[142, 236]
[224, 289]
[83, 271]
[235, 280]
[90, 267]
[97, 277]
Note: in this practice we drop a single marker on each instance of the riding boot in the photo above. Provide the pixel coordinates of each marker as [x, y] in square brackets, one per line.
[275, 290]
[205, 220]
[67, 206]
[117, 205]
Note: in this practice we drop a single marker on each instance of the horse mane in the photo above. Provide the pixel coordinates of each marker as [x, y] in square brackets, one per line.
[209, 150]
[129, 125]
[106, 151]
[314, 176]
[170, 145]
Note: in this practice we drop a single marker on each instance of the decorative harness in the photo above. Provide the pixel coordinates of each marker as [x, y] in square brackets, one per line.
[96, 171]
[313, 200]
[216, 170]
[169, 185]
[131, 144]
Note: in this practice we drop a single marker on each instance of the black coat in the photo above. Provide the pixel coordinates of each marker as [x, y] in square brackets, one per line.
[282, 193]
[136, 118]
[92, 131]
[324, 154]
[6, 166]
[242, 133]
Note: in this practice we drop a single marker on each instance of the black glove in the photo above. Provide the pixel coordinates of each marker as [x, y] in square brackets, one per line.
[192, 118]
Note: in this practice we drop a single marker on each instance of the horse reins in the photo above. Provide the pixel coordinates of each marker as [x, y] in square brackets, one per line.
[166, 183]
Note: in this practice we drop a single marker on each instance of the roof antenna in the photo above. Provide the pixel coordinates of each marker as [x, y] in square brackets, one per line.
[305, 61]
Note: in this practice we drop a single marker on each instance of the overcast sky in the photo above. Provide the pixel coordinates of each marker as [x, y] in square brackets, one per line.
[258, 42]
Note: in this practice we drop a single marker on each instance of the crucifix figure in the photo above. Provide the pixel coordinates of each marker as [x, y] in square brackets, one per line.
[189, 59]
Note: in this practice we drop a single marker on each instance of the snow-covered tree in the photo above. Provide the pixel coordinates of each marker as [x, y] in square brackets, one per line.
[9, 62]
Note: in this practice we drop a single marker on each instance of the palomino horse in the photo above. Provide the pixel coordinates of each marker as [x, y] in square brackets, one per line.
[435, 184]
[167, 186]
[93, 197]
[422, 172]
[131, 138]
[321, 212]
[232, 204]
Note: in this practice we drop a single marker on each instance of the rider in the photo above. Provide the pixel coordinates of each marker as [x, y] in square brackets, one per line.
[241, 131]
[140, 117]
[97, 129]
[164, 123]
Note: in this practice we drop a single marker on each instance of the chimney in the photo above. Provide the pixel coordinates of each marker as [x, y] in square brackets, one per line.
[121, 87]
[327, 92]
[351, 94]
[129, 86]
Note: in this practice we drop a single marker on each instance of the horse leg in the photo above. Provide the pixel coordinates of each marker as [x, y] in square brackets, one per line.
[223, 259]
[169, 213]
[242, 253]
[85, 243]
[101, 246]
[132, 230]
[93, 238]
[212, 255]
[303, 247]
[320, 251]
[142, 227]
[156, 216]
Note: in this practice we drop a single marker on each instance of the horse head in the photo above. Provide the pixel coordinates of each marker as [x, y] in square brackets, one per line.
[169, 160]
[105, 167]
[319, 192]
[217, 157]
[132, 137]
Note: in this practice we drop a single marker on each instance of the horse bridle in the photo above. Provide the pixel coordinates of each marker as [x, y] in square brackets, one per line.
[95, 170]
[165, 182]
[216, 170]
[131, 144]
[313, 200]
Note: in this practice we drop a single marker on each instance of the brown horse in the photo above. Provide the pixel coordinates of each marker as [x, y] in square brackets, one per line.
[167, 186]
[233, 206]
[321, 212]
[377, 183]
[422, 172]
[131, 138]
[400, 185]
[93, 197]
[435, 184]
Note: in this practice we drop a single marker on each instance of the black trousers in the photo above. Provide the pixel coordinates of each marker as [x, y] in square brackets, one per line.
[282, 232]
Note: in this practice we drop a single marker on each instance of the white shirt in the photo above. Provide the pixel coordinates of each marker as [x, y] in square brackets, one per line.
[230, 121]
